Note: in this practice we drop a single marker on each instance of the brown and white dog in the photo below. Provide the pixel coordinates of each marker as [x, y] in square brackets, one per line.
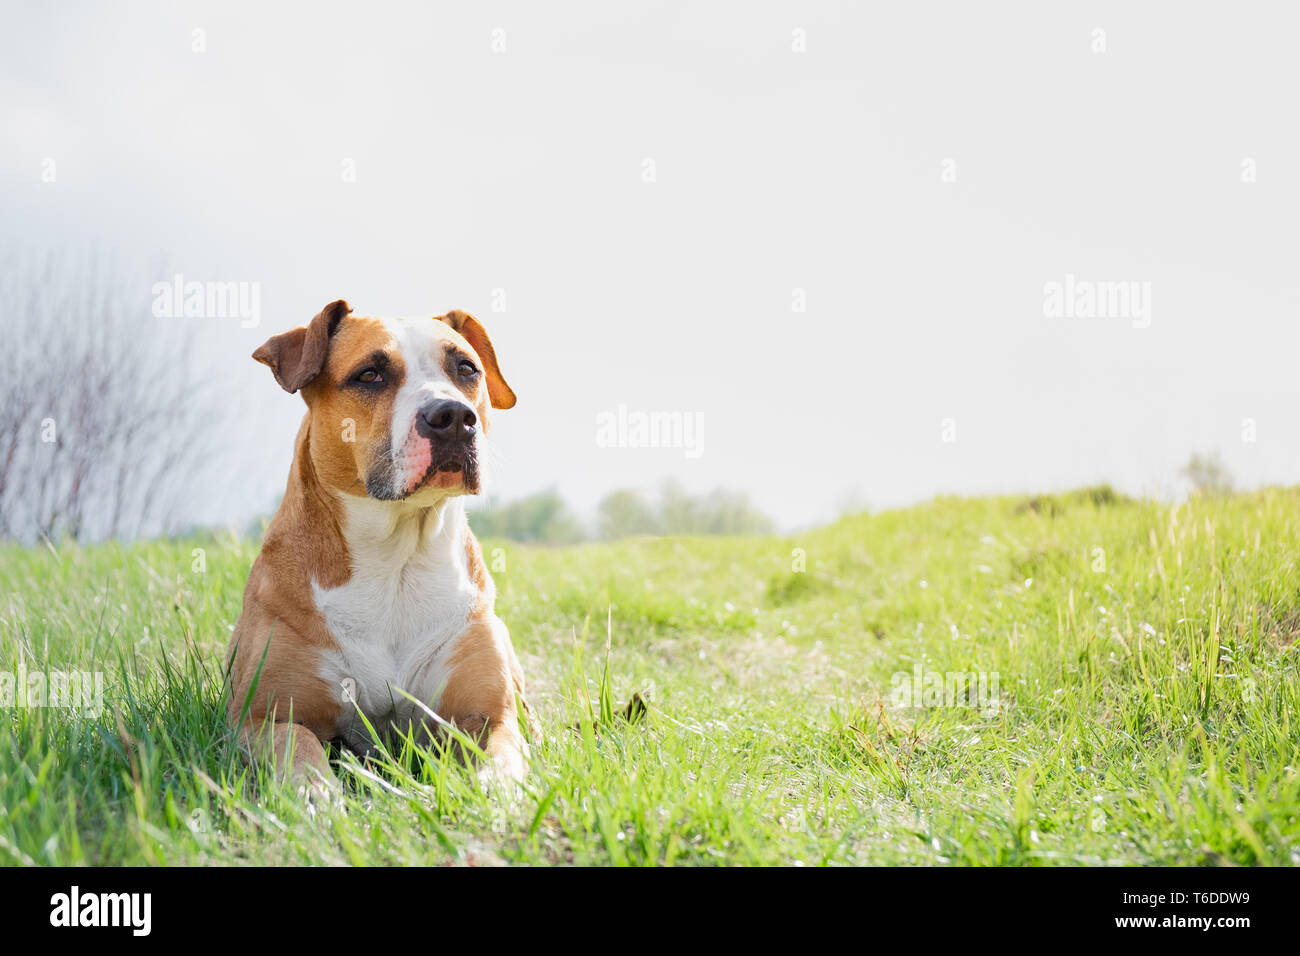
[370, 583]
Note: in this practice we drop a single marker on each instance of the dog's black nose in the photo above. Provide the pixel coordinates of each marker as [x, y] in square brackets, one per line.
[449, 418]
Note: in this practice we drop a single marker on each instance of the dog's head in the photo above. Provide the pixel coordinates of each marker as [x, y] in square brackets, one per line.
[398, 407]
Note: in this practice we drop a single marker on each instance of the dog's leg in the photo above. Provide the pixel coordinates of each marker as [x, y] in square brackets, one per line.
[480, 698]
[497, 736]
[534, 727]
[296, 755]
[282, 707]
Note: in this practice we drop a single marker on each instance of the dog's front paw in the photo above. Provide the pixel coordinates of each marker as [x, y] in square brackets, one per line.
[320, 792]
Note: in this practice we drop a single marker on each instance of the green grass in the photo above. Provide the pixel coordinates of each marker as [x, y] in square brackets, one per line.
[1146, 710]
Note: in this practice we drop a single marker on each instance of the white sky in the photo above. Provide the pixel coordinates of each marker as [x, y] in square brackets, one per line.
[775, 170]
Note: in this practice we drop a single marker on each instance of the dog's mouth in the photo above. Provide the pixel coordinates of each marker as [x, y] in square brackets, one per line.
[452, 471]
[423, 463]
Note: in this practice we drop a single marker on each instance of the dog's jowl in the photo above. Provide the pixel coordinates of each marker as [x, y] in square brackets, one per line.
[370, 595]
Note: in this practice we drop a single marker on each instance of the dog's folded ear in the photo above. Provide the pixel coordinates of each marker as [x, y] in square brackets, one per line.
[297, 356]
[502, 394]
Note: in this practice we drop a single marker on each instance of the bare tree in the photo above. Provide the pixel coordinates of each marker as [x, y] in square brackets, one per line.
[101, 423]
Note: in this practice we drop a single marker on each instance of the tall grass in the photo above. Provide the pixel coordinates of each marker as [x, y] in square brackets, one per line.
[1145, 656]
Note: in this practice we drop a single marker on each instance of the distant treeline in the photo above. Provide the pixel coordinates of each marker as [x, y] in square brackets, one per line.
[545, 517]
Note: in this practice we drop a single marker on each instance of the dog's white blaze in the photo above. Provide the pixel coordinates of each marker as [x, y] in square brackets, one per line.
[426, 380]
[395, 620]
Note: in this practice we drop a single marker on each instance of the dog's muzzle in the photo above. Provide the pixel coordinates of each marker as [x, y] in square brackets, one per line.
[447, 422]
[440, 450]
[450, 427]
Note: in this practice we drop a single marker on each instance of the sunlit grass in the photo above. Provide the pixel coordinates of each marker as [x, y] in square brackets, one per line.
[1145, 655]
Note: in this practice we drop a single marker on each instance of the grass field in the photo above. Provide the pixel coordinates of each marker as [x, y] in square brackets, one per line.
[1144, 659]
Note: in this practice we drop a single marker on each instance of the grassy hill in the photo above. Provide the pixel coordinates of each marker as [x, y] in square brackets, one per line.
[1139, 661]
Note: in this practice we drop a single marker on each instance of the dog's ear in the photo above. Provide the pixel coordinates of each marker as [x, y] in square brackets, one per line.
[501, 394]
[297, 356]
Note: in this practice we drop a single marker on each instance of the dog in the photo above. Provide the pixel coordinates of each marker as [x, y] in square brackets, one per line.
[370, 595]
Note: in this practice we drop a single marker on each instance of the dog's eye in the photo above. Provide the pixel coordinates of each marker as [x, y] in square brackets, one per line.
[467, 369]
[370, 376]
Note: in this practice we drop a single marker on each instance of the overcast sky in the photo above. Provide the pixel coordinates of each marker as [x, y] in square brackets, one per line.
[658, 188]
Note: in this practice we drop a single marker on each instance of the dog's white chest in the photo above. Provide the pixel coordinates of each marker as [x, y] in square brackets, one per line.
[395, 623]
